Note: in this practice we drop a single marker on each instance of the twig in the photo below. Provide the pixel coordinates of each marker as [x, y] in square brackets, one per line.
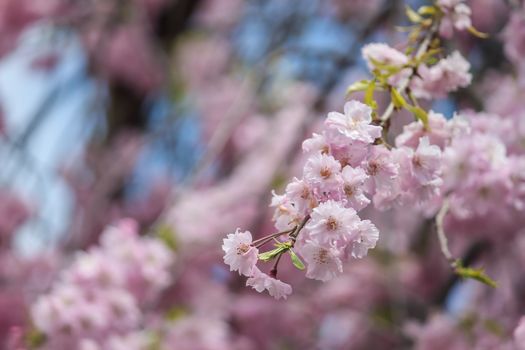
[420, 52]
[443, 241]
[262, 241]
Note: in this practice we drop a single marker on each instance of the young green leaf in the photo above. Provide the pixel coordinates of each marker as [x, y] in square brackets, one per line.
[369, 95]
[427, 10]
[269, 255]
[397, 99]
[475, 274]
[361, 85]
[167, 236]
[296, 261]
[477, 33]
[412, 15]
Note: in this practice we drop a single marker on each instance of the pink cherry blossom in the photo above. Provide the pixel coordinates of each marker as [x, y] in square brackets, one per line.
[438, 132]
[316, 144]
[322, 263]
[261, 281]
[239, 253]
[377, 55]
[301, 195]
[382, 54]
[446, 76]
[426, 162]
[366, 238]
[323, 172]
[354, 124]
[456, 16]
[353, 186]
[332, 222]
[383, 172]
[286, 214]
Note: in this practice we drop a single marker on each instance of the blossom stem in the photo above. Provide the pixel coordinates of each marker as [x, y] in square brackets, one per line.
[420, 52]
[262, 241]
[273, 271]
[443, 241]
[298, 229]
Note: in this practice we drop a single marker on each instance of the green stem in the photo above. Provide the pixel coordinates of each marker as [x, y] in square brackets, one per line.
[420, 52]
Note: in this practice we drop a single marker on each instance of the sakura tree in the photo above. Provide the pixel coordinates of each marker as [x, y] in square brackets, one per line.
[262, 175]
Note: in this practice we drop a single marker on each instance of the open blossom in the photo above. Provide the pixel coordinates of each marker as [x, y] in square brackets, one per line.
[367, 235]
[426, 162]
[286, 215]
[456, 16]
[354, 124]
[446, 76]
[419, 173]
[379, 54]
[353, 187]
[316, 144]
[349, 153]
[438, 132]
[332, 222]
[383, 173]
[301, 195]
[239, 253]
[261, 281]
[323, 171]
[382, 54]
[322, 263]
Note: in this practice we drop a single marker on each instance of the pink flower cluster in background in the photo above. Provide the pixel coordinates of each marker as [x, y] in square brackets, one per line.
[105, 291]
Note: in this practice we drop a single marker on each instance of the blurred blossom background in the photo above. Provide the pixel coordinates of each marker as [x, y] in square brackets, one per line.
[135, 134]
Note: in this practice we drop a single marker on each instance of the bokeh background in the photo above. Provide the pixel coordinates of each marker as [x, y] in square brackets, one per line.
[183, 115]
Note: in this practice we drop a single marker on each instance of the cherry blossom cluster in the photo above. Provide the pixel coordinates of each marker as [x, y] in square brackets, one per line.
[100, 297]
[485, 170]
[431, 82]
[348, 167]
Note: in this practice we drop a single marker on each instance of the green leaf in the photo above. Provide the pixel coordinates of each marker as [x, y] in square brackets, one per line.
[296, 261]
[475, 274]
[419, 113]
[477, 33]
[269, 255]
[166, 235]
[361, 85]
[429, 55]
[427, 10]
[412, 15]
[494, 327]
[369, 95]
[175, 313]
[397, 99]
[390, 68]
[34, 338]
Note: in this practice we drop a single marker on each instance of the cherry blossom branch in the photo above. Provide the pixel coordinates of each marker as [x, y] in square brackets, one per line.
[262, 241]
[298, 229]
[419, 54]
[443, 241]
[457, 265]
[273, 271]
